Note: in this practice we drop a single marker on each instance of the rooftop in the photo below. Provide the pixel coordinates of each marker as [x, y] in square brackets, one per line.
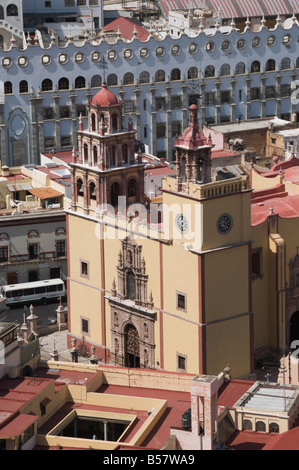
[249, 125]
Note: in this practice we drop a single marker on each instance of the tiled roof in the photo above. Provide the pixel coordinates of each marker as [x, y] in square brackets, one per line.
[126, 28]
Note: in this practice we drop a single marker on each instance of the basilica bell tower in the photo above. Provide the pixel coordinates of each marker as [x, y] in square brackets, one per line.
[106, 166]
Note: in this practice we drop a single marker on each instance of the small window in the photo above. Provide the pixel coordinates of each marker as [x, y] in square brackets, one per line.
[181, 363]
[241, 43]
[175, 50]
[3, 253]
[79, 57]
[95, 56]
[51, 289]
[225, 46]
[128, 54]
[256, 42]
[64, 112]
[22, 61]
[160, 103]
[160, 51]
[256, 263]
[112, 55]
[40, 290]
[210, 46]
[23, 87]
[260, 426]
[144, 52]
[286, 39]
[84, 268]
[255, 94]
[181, 301]
[46, 59]
[63, 58]
[161, 130]
[7, 62]
[225, 97]
[175, 102]
[271, 40]
[193, 48]
[84, 325]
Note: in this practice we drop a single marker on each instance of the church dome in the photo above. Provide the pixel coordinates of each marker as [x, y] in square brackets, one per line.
[104, 97]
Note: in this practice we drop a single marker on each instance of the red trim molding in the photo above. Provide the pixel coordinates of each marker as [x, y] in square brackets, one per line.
[162, 308]
[202, 346]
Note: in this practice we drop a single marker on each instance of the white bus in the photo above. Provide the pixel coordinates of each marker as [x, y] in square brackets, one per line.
[29, 292]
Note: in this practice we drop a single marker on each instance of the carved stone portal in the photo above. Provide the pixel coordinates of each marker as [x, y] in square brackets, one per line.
[132, 314]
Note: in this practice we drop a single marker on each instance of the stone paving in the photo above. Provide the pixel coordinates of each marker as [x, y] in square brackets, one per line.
[58, 341]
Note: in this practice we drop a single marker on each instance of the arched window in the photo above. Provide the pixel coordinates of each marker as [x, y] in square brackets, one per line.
[255, 66]
[144, 77]
[128, 78]
[175, 74]
[224, 70]
[285, 63]
[47, 85]
[115, 192]
[274, 427]
[247, 425]
[270, 65]
[8, 88]
[125, 153]
[112, 79]
[297, 63]
[112, 156]
[95, 155]
[12, 10]
[132, 188]
[210, 71]
[96, 81]
[80, 82]
[85, 153]
[63, 84]
[192, 73]
[260, 426]
[79, 187]
[160, 76]
[240, 68]
[92, 191]
[93, 122]
[131, 286]
[114, 122]
[23, 87]
[1, 13]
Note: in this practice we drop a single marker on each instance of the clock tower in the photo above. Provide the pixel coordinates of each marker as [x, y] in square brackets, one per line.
[210, 220]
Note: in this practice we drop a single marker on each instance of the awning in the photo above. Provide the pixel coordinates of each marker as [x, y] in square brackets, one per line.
[235, 8]
[19, 187]
[45, 193]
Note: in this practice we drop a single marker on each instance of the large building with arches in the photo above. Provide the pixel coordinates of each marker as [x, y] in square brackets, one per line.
[224, 71]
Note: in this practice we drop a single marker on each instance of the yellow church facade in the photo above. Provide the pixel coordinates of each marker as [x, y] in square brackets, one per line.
[174, 295]
[201, 286]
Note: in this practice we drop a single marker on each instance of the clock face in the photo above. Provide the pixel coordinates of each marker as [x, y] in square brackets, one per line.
[224, 223]
[181, 223]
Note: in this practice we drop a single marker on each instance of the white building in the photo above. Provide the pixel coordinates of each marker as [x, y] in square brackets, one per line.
[231, 76]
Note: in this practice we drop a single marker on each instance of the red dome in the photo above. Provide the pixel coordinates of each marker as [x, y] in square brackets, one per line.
[104, 97]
